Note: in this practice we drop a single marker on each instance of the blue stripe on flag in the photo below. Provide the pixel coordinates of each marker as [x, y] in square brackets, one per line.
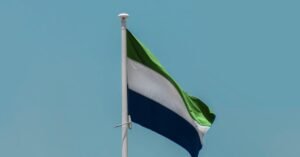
[158, 118]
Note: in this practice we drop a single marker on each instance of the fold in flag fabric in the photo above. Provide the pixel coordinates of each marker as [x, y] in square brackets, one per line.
[156, 102]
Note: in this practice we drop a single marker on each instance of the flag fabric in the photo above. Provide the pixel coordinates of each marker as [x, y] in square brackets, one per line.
[156, 102]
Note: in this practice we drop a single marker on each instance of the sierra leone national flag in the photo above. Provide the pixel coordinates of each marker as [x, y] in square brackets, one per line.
[156, 101]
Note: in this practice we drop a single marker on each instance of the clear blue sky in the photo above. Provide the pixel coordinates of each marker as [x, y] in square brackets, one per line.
[60, 76]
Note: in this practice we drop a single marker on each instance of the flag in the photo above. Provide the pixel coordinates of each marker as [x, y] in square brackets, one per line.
[156, 102]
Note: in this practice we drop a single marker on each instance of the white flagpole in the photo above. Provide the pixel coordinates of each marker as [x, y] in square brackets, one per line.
[125, 123]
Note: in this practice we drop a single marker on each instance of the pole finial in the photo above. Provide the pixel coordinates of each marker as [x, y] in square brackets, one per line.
[123, 16]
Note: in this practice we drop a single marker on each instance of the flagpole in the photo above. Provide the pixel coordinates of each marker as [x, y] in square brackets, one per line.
[124, 124]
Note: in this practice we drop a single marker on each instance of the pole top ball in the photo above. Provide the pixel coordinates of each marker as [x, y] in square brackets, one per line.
[123, 16]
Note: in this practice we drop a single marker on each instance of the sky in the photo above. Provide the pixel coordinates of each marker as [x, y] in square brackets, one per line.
[60, 75]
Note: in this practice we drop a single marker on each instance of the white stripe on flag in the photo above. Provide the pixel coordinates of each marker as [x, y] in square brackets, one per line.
[154, 86]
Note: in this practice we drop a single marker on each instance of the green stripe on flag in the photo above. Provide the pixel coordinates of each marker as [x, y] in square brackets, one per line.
[197, 109]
